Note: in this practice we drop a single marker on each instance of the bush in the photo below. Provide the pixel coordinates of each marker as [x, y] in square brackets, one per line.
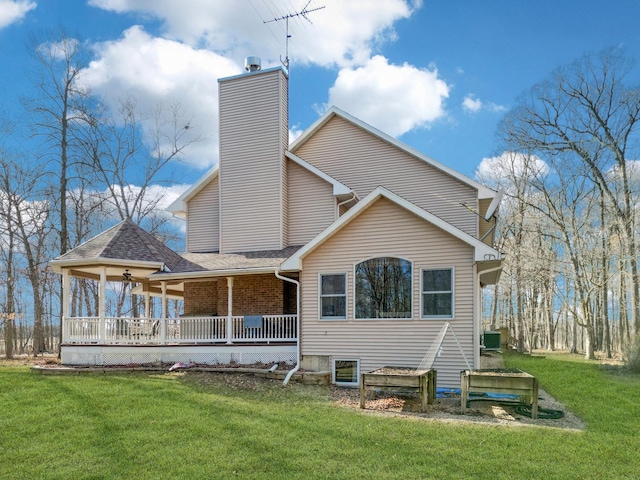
[631, 355]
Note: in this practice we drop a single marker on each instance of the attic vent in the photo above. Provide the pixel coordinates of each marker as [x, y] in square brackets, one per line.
[252, 64]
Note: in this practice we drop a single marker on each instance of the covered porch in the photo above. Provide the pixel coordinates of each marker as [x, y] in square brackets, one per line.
[209, 322]
[185, 330]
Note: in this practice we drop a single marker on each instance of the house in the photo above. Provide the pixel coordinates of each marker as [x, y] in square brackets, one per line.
[344, 251]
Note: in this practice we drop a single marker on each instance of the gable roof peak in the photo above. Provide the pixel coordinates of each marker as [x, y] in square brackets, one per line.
[333, 111]
[482, 251]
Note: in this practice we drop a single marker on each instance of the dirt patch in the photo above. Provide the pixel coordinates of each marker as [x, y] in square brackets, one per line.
[398, 371]
[24, 360]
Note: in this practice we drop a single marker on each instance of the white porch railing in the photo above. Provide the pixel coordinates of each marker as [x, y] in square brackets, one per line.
[184, 330]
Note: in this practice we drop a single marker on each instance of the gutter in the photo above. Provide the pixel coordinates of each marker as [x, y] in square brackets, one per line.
[231, 272]
[297, 284]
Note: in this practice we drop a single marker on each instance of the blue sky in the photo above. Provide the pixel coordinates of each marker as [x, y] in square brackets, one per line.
[438, 75]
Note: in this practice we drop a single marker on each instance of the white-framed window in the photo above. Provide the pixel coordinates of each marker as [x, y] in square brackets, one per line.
[383, 288]
[437, 293]
[333, 296]
[346, 372]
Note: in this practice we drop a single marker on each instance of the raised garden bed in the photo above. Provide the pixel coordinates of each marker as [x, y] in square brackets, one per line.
[511, 381]
[400, 379]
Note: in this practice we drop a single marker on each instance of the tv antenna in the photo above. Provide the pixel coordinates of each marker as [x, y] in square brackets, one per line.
[302, 13]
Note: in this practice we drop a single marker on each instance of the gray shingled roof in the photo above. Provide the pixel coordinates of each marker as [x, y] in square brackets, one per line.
[231, 261]
[128, 241]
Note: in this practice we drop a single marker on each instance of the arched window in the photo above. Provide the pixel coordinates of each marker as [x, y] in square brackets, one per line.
[383, 288]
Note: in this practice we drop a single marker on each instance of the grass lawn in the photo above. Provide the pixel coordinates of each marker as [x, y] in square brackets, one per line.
[193, 426]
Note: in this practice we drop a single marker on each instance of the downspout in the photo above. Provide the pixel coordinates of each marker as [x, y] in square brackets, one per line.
[297, 283]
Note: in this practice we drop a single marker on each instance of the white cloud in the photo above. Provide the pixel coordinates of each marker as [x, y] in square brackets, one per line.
[157, 71]
[12, 11]
[472, 104]
[350, 31]
[154, 195]
[494, 107]
[510, 166]
[392, 98]
[294, 133]
[632, 172]
[200, 41]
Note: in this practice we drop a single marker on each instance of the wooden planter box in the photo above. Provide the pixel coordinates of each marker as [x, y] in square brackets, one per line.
[400, 378]
[514, 382]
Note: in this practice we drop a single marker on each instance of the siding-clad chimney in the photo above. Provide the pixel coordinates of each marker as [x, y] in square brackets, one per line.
[254, 131]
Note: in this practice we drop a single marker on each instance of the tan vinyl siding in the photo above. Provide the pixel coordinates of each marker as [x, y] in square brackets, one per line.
[203, 219]
[311, 204]
[363, 162]
[252, 114]
[484, 225]
[386, 229]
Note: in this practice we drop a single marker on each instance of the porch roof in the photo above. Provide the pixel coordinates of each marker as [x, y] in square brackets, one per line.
[243, 261]
[125, 244]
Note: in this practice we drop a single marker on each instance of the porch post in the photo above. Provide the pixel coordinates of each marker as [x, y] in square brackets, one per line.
[229, 309]
[163, 319]
[66, 300]
[102, 289]
[477, 316]
[147, 305]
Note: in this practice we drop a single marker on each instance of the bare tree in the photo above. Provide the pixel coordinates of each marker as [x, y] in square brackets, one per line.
[59, 109]
[28, 222]
[587, 112]
[520, 235]
[129, 166]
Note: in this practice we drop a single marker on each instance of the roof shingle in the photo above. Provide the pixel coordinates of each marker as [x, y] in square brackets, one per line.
[128, 241]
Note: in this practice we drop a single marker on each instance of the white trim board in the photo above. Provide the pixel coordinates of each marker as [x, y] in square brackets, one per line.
[483, 191]
[483, 252]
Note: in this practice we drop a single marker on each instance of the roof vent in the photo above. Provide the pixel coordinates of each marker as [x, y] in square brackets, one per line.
[252, 64]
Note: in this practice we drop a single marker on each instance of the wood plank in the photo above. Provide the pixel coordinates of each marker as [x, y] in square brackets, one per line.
[517, 383]
[423, 382]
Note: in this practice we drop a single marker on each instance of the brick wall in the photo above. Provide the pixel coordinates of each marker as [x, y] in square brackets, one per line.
[252, 295]
[290, 299]
[201, 298]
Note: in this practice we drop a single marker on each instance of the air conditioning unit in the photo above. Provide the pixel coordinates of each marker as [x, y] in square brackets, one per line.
[491, 340]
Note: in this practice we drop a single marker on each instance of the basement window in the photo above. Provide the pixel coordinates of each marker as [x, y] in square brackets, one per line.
[346, 372]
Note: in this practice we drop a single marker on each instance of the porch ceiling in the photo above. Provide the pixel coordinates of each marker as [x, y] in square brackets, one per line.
[114, 272]
[139, 276]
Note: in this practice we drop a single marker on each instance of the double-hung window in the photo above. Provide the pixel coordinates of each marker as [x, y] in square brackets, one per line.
[437, 293]
[333, 296]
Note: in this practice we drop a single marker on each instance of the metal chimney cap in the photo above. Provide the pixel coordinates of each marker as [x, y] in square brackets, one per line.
[252, 64]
